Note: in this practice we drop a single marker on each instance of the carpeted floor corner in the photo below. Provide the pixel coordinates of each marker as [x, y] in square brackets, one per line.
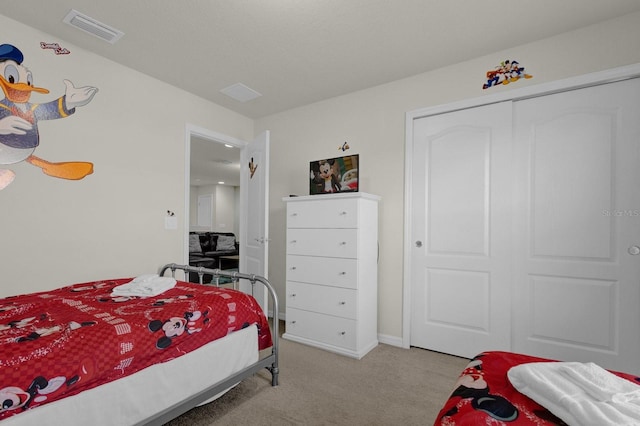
[389, 386]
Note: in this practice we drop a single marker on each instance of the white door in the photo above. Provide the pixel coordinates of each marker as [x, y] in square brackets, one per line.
[461, 225]
[577, 222]
[204, 216]
[254, 239]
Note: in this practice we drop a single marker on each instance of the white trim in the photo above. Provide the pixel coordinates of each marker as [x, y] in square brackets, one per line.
[408, 208]
[572, 83]
[390, 340]
[332, 348]
[578, 82]
[193, 130]
[267, 161]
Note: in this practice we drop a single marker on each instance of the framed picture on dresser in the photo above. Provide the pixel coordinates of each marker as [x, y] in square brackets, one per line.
[333, 175]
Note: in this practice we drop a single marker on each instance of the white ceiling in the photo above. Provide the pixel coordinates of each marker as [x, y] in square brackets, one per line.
[295, 52]
[213, 162]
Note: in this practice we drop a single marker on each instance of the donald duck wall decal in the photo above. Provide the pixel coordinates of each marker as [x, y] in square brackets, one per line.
[19, 119]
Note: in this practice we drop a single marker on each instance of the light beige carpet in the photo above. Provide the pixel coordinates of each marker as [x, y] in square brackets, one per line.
[389, 386]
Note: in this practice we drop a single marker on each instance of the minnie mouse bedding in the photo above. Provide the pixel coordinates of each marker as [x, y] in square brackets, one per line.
[483, 395]
[58, 343]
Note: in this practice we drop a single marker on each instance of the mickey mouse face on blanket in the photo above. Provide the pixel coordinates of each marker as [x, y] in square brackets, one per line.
[42, 389]
[472, 387]
[12, 398]
[192, 322]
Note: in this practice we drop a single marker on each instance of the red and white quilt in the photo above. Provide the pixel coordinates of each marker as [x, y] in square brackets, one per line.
[58, 343]
[483, 395]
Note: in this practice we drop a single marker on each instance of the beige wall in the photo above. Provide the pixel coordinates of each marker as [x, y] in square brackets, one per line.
[111, 224]
[225, 208]
[373, 123]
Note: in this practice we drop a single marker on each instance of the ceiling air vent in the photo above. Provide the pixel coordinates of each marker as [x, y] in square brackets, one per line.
[93, 27]
[240, 92]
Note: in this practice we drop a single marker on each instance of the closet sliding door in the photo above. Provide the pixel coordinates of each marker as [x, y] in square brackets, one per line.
[525, 227]
[462, 231]
[577, 219]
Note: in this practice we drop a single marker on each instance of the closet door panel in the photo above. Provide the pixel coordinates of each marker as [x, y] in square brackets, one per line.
[461, 300]
[459, 162]
[470, 289]
[576, 221]
[552, 323]
[572, 184]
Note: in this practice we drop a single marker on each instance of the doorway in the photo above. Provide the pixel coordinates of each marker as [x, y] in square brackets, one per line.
[251, 201]
[213, 163]
[215, 186]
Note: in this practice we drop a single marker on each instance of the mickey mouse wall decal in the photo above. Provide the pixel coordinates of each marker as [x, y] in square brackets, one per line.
[507, 72]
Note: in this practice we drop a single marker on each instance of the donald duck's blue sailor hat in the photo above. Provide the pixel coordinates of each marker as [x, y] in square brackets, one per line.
[10, 52]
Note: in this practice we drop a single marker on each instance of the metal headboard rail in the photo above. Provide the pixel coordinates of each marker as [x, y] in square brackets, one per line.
[252, 278]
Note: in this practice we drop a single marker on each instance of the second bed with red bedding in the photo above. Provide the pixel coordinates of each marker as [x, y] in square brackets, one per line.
[483, 395]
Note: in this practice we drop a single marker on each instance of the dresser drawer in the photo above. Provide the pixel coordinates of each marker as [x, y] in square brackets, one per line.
[336, 301]
[323, 242]
[331, 271]
[322, 328]
[323, 214]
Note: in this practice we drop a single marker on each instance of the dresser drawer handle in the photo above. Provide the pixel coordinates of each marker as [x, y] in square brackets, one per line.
[342, 273]
[293, 295]
[342, 303]
[294, 214]
[293, 268]
[343, 213]
[342, 333]
[343, 243]
[293, 322]
[293, 241]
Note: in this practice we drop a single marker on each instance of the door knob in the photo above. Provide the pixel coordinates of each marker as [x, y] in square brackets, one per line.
[418, 243]
[634, 250]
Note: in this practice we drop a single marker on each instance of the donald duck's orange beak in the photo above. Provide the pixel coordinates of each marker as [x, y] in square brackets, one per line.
[19, 92]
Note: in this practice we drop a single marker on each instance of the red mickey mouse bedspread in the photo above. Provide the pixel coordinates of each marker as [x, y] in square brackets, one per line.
[58, 343]
[483, 395]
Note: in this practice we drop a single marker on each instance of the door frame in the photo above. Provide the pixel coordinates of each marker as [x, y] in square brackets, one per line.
[213, 136]
[592, 79]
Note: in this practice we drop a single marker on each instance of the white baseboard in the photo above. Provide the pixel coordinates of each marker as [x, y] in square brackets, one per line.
[390, 340]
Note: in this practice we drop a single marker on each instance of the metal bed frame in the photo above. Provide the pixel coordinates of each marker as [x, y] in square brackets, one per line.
[269, 362]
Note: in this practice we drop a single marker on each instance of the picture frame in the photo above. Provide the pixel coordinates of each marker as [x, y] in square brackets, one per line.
[333, 175]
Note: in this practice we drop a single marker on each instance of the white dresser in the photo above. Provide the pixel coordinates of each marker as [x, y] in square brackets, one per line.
[332, 272]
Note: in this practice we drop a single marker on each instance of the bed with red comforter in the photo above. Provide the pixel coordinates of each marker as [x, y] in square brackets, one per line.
[58, 343]
[483, 395]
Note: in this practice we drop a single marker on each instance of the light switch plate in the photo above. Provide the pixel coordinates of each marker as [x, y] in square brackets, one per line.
[170, 222]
